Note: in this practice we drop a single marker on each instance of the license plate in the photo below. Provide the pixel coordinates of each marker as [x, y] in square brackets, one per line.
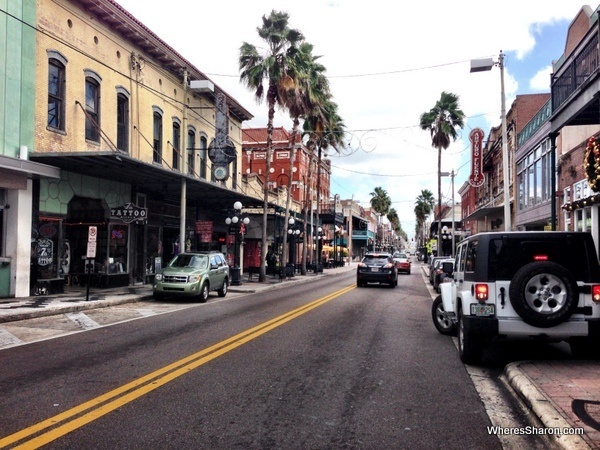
[374, 269]
[482, 310]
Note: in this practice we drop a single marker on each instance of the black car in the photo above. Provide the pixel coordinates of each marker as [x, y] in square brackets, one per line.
[377, 267]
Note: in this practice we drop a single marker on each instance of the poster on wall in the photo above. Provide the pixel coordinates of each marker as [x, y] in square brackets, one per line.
[45, 251]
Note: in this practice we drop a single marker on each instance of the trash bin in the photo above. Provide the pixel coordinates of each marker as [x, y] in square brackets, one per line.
[289, 270]
[4, 277]
[236, 278]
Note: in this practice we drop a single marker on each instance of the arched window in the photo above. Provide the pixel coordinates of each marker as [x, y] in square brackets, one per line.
[122, 119]
[203, 157]
[56, 94]
[157, 136]
[191, 150]
[176, 143]
[92, 106]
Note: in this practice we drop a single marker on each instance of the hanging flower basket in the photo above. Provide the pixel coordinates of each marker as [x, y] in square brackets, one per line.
[591, 163]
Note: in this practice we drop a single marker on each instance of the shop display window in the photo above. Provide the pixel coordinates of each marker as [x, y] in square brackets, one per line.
[117, 249]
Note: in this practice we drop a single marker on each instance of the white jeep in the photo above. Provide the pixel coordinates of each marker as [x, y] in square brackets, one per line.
[522, 284]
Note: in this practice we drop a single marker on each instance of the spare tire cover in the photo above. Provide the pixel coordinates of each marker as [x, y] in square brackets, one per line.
[544, 294]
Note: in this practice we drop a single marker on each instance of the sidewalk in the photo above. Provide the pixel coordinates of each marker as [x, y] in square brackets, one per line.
[562, 394]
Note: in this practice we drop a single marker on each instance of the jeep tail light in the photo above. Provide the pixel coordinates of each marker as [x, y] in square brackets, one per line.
[596, 293]
[481, 292]
[540, 257]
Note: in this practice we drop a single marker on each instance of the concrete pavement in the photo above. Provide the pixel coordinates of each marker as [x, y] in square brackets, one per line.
[564, 395]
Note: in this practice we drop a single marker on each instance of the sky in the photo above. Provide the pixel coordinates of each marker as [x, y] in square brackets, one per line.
[387, 63]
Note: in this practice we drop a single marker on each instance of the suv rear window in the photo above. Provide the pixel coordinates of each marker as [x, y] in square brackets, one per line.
[376, 259]
[509, 255]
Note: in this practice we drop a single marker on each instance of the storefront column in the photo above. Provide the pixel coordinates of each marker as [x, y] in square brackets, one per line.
[18, 242]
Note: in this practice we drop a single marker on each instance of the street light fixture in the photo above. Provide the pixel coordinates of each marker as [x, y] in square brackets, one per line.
[239, 230]
[480, 65]
[451, 174]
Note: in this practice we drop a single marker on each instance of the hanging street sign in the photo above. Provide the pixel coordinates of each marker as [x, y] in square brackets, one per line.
[129, 213]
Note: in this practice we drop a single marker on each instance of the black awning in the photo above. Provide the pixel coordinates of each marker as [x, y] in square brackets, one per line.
[491, 211]
[151, 179]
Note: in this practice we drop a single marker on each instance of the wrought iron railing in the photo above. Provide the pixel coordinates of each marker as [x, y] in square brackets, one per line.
[579, 69]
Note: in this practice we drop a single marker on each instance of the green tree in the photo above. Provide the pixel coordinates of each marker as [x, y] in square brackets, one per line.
[381, 204]
[443, 122]
[324, 129]
[274, 68]
[423, 207]
[310, 84]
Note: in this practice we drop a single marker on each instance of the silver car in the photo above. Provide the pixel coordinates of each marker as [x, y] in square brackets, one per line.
[193, 275]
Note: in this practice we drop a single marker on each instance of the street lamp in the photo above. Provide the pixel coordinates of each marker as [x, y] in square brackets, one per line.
[239, 229]
[451, 174]
[294, 233]
[480, 65]
[445, 238]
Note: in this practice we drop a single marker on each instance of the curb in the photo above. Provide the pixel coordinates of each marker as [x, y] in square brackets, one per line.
[541, 406]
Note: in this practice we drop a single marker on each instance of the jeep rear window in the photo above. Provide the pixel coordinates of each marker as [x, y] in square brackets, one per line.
[509, 255]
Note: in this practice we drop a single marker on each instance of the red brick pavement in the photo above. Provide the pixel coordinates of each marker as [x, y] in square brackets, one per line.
[562, 394]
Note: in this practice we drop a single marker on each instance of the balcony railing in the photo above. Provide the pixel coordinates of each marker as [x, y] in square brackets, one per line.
[579, 69]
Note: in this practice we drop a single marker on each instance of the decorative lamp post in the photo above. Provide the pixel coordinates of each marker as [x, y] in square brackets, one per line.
[445, 240]
[238, 230]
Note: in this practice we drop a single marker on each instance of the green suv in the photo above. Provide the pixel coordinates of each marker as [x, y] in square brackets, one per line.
[193, 274]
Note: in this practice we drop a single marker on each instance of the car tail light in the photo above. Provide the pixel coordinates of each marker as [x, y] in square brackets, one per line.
[596, 293]
[481, 292]
[388, 266]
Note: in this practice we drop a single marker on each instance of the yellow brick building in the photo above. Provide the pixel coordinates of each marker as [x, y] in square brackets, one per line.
[132, 126]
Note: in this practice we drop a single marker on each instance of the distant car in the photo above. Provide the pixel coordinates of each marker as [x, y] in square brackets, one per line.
[377, 267]
[402, 262]
[444, 270]
[193, 275]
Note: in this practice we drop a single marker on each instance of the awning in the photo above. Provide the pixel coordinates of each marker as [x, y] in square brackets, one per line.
[25, 167]
[491, 211]
[153, 180]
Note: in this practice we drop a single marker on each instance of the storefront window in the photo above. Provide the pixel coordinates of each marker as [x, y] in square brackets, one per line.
[50, 254]
[117, 248]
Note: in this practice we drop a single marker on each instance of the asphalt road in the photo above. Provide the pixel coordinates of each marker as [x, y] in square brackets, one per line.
[323, 365]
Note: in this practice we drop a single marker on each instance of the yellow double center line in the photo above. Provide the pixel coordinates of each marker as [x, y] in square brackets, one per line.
[51, 429]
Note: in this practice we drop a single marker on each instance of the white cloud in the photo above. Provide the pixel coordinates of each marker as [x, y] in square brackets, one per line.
[541, 80]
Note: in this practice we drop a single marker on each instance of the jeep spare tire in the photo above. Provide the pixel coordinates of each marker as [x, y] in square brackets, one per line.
[544, 294]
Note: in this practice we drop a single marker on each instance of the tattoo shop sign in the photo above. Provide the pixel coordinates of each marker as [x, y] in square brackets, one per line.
[129, 213]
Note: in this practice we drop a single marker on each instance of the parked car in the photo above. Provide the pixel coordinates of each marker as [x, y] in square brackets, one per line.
[377, 267]
[402, 262]
[193, 275]
[541, 285]
[433, 266]
[443, 272]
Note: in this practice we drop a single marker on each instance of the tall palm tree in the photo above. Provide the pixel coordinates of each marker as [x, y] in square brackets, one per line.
[443, 122]
[423, 207]
[380, 203]
[309, 83]
[325, 130]
[273, 67]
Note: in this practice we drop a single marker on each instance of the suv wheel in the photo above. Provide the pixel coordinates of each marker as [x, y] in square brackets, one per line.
[470, 346]
[203, 296]
[441, 322]
[544, 294]
[223, 291]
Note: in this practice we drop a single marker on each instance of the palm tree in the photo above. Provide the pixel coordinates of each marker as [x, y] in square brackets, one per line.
[309, 81]
[274, 67]
[325, 130]
[443, 122]
[423, 207]
[380, 203]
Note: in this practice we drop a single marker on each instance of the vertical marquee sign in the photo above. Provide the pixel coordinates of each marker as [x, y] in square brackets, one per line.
[477, 178]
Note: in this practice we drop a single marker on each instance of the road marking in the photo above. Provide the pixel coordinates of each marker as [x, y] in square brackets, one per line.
[51, 429]
[8, 339]
[82, 320]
